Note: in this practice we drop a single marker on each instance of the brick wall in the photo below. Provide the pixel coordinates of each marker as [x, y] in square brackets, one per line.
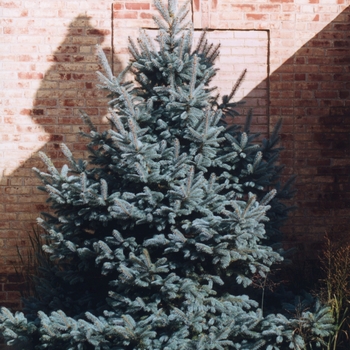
[297, 53]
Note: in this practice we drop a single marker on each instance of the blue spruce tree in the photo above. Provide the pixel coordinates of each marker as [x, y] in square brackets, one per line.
[156, 238]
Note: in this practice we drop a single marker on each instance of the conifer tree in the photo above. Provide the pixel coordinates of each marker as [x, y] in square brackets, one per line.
[155, 239]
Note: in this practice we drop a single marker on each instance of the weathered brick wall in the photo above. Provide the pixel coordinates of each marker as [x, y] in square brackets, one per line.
[297, 53]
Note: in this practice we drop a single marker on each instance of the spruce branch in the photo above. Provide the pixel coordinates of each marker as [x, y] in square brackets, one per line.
[103, 60]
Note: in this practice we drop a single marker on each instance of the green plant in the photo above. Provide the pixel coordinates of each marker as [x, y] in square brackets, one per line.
[31, 261]
[335, 291]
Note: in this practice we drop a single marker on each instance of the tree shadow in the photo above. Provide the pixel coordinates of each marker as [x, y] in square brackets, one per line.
[68, 86]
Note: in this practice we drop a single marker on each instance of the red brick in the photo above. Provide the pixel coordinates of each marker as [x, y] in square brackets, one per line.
[307, 86]
[344, 94]
[341, 77]
[269, 8]
[326, 94]
[100, 32]
[300, 77]
[146, 15]
[137, 6]
[10, 4]
[196, 4]
[341, 27]
[15, 30]
[338, 52]
[321, 43]
[257, 16]
[117, 7]
[243, 7]
[125, 14]
[30, 75]
[18, 208]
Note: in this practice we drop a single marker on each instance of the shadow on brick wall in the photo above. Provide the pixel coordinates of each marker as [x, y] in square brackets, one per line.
[69, 85]
[321, 133]
[311, 92]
